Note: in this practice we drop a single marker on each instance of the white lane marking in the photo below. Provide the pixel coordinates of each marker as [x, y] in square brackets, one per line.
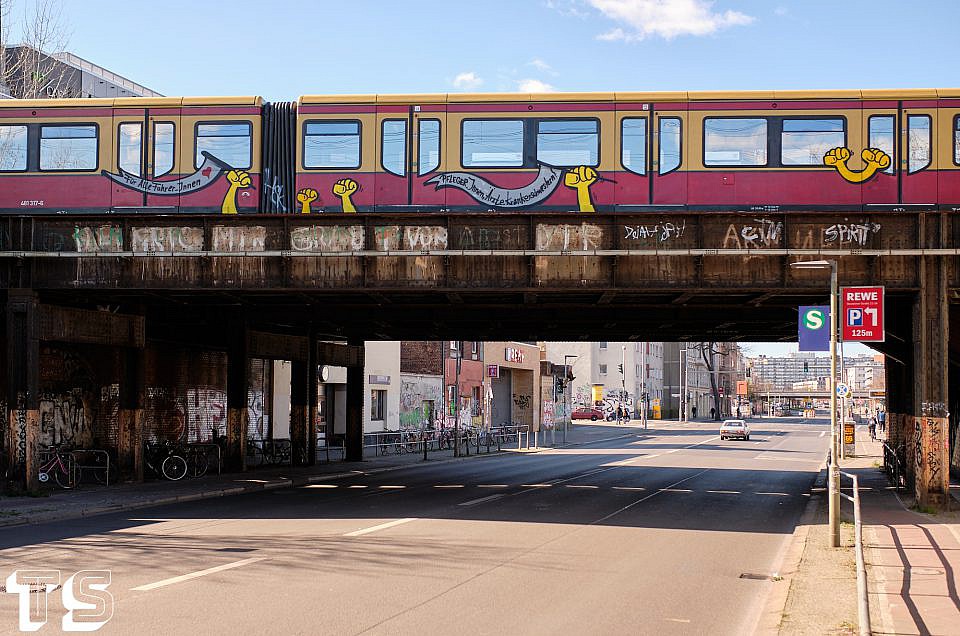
[678, 620]
[382, 526]
[474, 502]
[822, 433]
[642, 499]
[193, 575]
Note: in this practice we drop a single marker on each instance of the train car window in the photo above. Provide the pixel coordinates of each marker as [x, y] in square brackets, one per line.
[918, 142]
[633, 144]
[393, 147]
[131, 148]
[428, 157]
[331, 144]
[568, 142]
[163, 144]
[956, 140]
[492, 143]
[68, 147]
[231, 143]
[734, 141]
[804, 142]
[881, 136]
[670, 155]
[13, 148]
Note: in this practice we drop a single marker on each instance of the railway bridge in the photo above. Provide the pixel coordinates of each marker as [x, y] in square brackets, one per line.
[115, 317]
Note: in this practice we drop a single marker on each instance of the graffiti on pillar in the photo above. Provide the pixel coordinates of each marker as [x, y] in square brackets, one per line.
[255, 419]
[206, 414]
[918, 444]
[933, 409]
[547, 415]
[21, 430]
[521, 401]
[65, 418]
[934, 448]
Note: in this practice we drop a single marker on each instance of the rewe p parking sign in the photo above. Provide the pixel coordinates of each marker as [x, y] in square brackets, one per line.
[862, 314]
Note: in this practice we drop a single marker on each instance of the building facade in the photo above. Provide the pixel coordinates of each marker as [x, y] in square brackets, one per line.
[61, 75]
[513, 370]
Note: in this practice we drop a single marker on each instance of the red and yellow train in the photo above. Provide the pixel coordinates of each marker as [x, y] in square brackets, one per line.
[587, 152]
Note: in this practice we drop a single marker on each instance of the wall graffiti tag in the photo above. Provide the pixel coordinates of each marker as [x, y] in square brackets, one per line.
[229, 238]
[410, 237]
[327, 238]
[492, 238]
[858, 233]
[764, 233]
[105, 238]
[583, 237]
[659, 232]
[166, 239]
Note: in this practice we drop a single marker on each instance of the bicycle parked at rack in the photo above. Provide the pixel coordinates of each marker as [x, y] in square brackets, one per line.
[60, 465]
[269, 451]
[166, 460]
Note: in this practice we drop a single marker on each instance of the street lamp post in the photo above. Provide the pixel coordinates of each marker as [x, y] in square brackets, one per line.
[834, 473]
[643, 383]
[566, 385]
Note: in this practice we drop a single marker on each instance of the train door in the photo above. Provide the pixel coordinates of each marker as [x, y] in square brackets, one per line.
[880, 132]
[633, 144]
[427, 134]
[393, 147]
[669, 181]
[918, 162]
[144, 156]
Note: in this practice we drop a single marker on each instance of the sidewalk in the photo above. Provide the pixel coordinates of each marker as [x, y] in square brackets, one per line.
[912, 559]
[89, 500]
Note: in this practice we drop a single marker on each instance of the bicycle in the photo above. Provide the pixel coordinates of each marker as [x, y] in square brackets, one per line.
[198, 461]
[62, 466]
[166, 461]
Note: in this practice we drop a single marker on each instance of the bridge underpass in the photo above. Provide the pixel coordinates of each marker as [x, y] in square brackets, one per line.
[148, 300]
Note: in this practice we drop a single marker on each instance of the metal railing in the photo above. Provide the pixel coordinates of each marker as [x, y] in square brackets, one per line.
[863, 601]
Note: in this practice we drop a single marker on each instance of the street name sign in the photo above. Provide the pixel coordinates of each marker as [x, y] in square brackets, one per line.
[813, 330]
[862, 314]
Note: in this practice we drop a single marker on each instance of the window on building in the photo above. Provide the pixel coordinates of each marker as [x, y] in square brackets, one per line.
[804, 142]
[13, 148]
[476, 402]
[669, 157]
[378, 404]
[568, 142]
[331, 144]
[72, 147]
[492, 143]
[393, 146]
[231, 143]
[881, 136]
[163, 144]
[633, 144]
[428, 157]
[918, 141]
[475, 350]
[603, 369]
[734, 141]
[131, 148]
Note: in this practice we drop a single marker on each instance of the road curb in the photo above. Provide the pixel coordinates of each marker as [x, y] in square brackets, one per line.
[771, 615]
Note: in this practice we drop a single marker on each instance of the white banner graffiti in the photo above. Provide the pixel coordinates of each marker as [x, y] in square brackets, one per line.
[548, 178]
[206, 174]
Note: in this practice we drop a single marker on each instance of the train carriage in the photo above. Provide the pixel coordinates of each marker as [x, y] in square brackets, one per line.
[588, 153]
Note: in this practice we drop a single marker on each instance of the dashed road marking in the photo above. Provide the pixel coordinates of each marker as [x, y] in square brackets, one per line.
[474, 502]
[193, 575]
[382, 526]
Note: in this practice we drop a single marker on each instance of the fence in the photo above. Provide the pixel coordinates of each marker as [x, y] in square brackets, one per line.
[863, 602]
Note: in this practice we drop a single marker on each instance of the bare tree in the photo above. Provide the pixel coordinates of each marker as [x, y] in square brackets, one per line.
[709, 352]
[29, 69]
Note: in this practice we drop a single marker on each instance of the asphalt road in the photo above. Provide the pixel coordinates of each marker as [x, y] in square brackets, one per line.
[651, 533]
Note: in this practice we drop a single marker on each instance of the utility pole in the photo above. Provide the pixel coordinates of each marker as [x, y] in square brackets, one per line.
[643, 383]
[456, 402]
[623, 379]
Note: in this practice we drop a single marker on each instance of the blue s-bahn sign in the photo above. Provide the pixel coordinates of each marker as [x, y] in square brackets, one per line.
[814, 328]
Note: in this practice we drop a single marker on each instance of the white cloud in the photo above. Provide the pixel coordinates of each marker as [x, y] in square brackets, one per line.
[568, 8]
[468, 81]
[781, 11]
[665, 18]
[534, 86]
[537, 63]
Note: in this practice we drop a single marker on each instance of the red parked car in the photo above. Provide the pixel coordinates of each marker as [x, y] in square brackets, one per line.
[587, 413]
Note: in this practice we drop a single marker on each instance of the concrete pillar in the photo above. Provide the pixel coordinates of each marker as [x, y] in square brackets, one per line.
[23, 383]
[130, 441]
[238, 383]
[356, 400]
[931, 349]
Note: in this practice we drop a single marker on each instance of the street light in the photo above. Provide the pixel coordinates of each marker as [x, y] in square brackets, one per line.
[567, 371]
[834, 474]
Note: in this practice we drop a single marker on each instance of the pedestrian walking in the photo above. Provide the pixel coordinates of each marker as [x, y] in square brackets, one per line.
[694, 412]
[713, 413]
[873, 429]
[881, 421]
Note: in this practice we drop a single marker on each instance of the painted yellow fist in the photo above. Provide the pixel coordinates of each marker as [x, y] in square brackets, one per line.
[307, 195]
[877, 157]
[239, 178]
[345, 187]
[580, 177]
[836, 156]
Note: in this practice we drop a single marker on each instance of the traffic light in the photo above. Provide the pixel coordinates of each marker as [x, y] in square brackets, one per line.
[620, 366]
[558, 385]
[748, 372]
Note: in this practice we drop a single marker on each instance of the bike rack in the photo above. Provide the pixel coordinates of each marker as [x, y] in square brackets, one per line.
[97, 452]
[210, 447]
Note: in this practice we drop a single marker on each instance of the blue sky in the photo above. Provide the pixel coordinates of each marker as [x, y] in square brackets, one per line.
[284, 49]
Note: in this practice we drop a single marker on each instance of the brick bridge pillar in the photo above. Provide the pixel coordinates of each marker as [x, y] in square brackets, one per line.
[238, 383]
[930, 456]
[353, 440]
[23, 382]
[130, 440]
